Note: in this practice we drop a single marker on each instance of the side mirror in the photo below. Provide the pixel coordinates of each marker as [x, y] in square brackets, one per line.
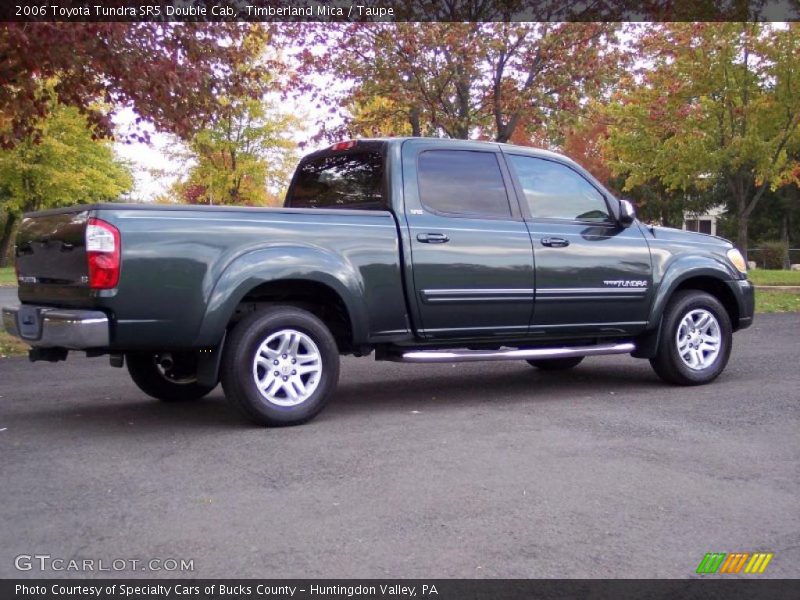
[627, 213]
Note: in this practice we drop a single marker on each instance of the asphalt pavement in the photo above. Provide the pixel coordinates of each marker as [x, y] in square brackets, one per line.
[468, 470]
[8, 296]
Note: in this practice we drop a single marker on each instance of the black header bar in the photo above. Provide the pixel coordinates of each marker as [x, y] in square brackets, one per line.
[397, 10]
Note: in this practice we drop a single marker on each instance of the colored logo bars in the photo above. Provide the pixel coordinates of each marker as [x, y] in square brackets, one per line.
[720, 562]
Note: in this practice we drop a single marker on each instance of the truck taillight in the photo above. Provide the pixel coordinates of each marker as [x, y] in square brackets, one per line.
[103, 254]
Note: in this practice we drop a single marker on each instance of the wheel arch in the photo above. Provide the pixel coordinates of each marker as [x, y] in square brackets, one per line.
[708, 276]
[305, 276]
[318, 298]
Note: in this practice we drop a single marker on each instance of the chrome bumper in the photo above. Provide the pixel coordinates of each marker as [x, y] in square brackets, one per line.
[46, 327]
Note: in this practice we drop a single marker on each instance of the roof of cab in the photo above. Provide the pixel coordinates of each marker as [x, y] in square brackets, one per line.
[539, 152]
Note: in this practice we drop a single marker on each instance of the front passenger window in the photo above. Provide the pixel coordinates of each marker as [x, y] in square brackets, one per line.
[554, 191]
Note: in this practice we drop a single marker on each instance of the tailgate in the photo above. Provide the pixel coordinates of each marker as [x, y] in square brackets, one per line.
[51, 258]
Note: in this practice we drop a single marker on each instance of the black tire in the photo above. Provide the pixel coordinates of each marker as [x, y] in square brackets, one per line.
[556, 364]
[239, 370]
[668, 363]
[177, 384]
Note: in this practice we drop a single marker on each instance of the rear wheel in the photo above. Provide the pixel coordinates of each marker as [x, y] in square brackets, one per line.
[695, 341]
[280, 366]
[556, 364]
[167, 377]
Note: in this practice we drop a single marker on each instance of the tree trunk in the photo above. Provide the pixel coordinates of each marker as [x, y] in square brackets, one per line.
[741, 235]
[413, 118]
[7, 237]
[665, 218]
[785, 239]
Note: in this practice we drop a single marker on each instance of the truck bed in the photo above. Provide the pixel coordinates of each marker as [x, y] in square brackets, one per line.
[180, 263]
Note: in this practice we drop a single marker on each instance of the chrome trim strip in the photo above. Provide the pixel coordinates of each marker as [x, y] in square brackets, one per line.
[446, 356]
[436, 296]
[494, 292]
[477, 295]
[593, 290]
[538, 328]
[531, 291]
[445, 300]
[520, 328]
[594, 325]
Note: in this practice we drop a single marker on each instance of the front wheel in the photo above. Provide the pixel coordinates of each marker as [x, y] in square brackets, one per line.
[169, 380]
[695, 341]
[280, 366]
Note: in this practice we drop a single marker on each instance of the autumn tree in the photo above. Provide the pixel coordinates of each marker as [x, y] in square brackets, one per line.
[59, 164]
[713, 105]
[583, 140]
[458, 80]
[374, 116]
[244, 157]
[172, 74]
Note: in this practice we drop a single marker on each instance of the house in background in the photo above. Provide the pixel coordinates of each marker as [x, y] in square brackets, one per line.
[703, 222]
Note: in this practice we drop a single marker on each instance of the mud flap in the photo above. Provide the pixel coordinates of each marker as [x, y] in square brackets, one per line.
[647, 343]
[208, 361]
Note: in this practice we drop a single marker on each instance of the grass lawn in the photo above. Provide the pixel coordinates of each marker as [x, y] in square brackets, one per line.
[765, 277]
[772, 301]
[11, 346]
[7, 276]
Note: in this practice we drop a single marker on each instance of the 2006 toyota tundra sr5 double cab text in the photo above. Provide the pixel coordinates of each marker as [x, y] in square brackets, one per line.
[419, 250]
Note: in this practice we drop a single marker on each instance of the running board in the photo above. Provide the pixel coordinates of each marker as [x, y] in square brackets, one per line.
[447, 356]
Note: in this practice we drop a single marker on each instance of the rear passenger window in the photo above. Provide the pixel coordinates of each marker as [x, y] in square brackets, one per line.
[461, 182]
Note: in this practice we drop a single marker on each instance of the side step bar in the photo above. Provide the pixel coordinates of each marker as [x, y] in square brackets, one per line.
[446, 356]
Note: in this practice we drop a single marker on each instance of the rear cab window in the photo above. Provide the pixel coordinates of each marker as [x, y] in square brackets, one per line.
[353, 178]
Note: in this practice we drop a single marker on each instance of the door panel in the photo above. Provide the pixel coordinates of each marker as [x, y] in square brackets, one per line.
[600, 282]
[472, 274]
[478, 283]
[592, 275]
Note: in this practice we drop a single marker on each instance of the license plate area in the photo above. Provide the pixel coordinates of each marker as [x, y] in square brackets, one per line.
[29, 322]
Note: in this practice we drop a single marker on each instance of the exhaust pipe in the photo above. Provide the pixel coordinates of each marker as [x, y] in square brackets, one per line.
[166, 362]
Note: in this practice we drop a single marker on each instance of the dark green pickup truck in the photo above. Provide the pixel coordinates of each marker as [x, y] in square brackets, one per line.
[419, 250]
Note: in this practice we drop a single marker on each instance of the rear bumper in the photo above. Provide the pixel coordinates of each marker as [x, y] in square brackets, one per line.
[47, 327]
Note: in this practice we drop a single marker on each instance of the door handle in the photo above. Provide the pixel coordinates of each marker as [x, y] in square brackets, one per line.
[555, 242]
[433, 238]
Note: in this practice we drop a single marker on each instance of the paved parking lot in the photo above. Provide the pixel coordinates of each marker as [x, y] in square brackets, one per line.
[480, 469]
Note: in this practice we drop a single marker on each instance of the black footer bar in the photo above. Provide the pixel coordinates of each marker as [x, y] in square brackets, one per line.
[398, 589]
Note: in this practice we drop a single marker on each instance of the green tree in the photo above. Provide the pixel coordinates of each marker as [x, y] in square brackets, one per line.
[375, 116]
[60, 163]
[715, 104]
[244, 157]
